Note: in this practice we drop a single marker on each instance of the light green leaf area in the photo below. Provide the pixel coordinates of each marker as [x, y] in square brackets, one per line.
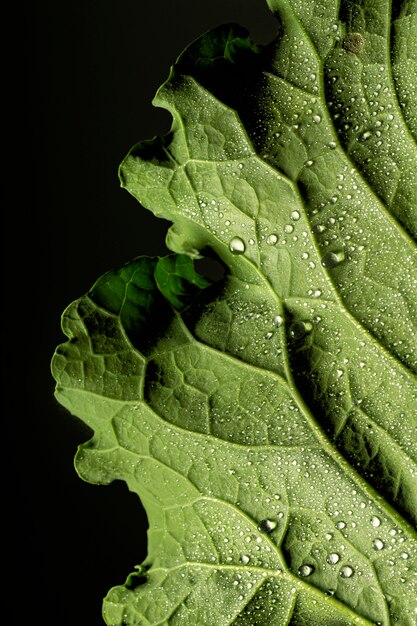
[267, 421]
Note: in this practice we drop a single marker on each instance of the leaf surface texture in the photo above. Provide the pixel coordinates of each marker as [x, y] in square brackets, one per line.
[267, 419]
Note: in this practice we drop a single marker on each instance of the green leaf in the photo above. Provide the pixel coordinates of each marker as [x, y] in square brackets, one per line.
[267, 421]
[176, 278]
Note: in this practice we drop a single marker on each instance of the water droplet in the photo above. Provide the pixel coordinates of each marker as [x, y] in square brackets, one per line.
[288, 228]
[341, 525]
[278, 320]
[272, 239]
[328, 536]
[346, 571]
[244, 559]
[295, 215]
[331, 259]
[298, 330]
[332, 145]
[375, 521]
[237, 245]
[305, 570]
[333, 558]
[404, 555]
[267, 525]
[269, 335]
[377, 544]
[316, 119]
[365, 135]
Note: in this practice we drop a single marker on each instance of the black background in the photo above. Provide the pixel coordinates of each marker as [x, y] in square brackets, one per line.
[91, 69]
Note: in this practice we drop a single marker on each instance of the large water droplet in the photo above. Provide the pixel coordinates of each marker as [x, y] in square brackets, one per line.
[331, 259]
[244, 559]
[333, 558]
[377, 544]
[295, 215]
[267, 525]
[298, 330]
[340, 525]
[305, 570]
[272, 239]
[365, 135]
[346, 571]
[278, 320]
[375, 521]
[237, 245]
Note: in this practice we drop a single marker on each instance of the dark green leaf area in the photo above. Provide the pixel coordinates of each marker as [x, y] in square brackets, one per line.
[223, 60]
[140, 293]
[131, 293]
[177, 279]
[120, 288]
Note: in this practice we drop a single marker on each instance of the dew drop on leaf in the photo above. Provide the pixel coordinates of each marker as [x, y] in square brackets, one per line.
[377, 544]
[305, 570]
[298, 330]
[267, 525]
[346, 571]
[365, 135]
[278, 320]
[272, 239]
[244, 559]
[237, 245]
[333, 558]
[331, 259]
[375, 521]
